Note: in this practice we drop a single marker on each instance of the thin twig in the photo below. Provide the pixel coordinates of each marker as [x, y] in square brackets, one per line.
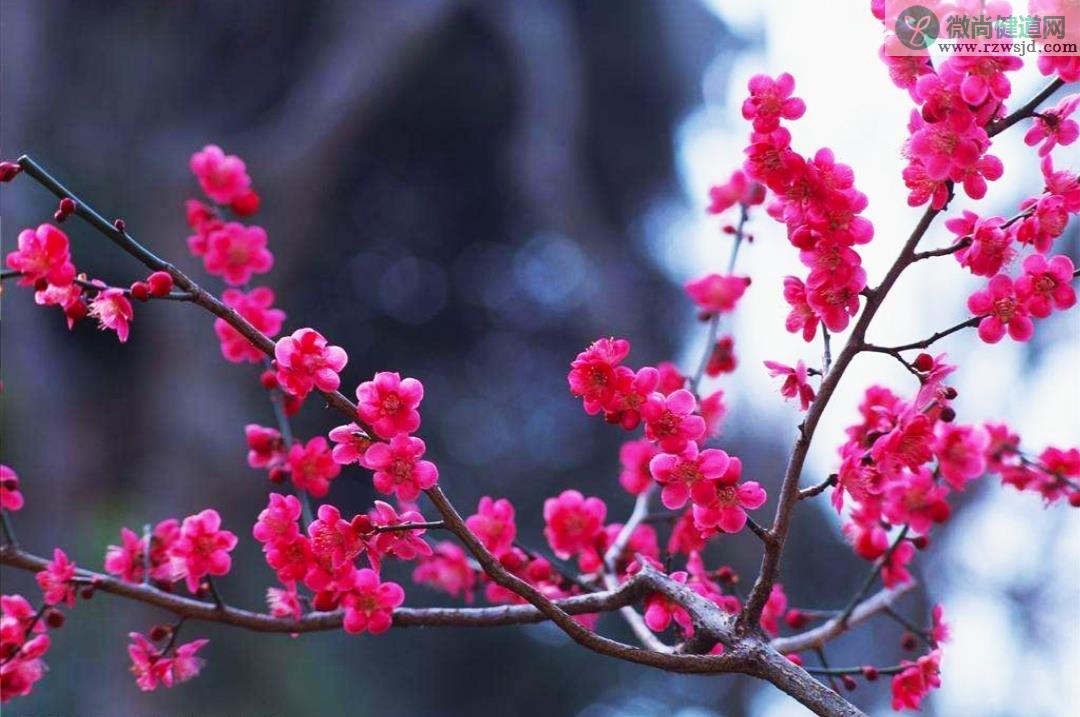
[819, 488]
[872, 576]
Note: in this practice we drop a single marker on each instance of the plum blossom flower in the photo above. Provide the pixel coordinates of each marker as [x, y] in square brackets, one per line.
[68, 298]
[398, 468]
[1001, 310]
[236, 253]
[801, 317]
[389, 402]
[774, 609]
[113, 311]
[1053, 126]
[713, 409]
[737, 190]
[687, 476]
[770, 101]
[10, 496]
[306, 361]
[128, 561]
[661, 611]
[592, 373]
[939, 630]
[22, 645]
[494, 524]
[894, 570]
[915, 499]
[312, 467]
[961, 453]
[908, 445]
[1046, 284]
[573, 523]
[795, 383]
[910, 686]
[185, 665]
[266, 447]
[43, 255]
[56, 579]
[257, 307]
[277, 523]
[402, 544]
[722, 357]
[152, 668]
[284, 602]
[447, 569]
[369, 604]
[729, 499]
[351, 442]
[717, 294]
[223, 177]
[670, 420]
[333, 537]
[203, 548]
[632, 390]
[990, 246]
[634, 457]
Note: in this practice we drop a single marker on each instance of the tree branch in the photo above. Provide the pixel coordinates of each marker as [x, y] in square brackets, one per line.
[1027, 110]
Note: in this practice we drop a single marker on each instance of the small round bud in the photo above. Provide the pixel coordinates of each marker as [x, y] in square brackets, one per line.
[795, 619]
[950, 393]
[908, 642]
[725, 574]
[1074, 499]
[512, 560]
[292, 404]
[324, 601]
[139, 290]
[204, 590]
[948, 415]
[268, 379]
[8, 171]
[794, 659]
[120, 225]
[924, 362]
[246, 204]
[849, 682]
[729, 229]
[87, 593]
[870, 673]
[159, 283]
[68, 206]
[76, 311]
[41, 284]
[362, 524]
[704, 315]
[59, 217]
[921, 542]
[160, 632]
[54, 618]
[277, 475]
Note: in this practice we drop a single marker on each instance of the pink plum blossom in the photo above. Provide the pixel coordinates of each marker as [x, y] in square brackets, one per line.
[388, 403]
[306, 361]
[398, 468]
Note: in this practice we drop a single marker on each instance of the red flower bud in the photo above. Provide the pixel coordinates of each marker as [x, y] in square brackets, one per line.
[795, 619]
[908, 642]
[120, 225]
[160, 632]
[948, 415]
[41, 284]
[1074, 499]
[140, 291]
[268, 379]
[324, 601]
[87, 593]
[76, 311]
[159, 283]
[922, 542]
[54, 618]
[277, 475]
[8, 171]
[870, 673]
[794, 659]
[362, 524]
[924, 362]
[246, 204]
[68, 206]
[59, 217]
[849, 682]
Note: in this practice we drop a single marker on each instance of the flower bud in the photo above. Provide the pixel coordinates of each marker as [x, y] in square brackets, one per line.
[8, 171]
[54, 618]
[159, 283]
[1074, 499]
[87, 593]
[794, 659]
[921, 542]
[849, 682]
[160, 632]
[924, 362]
[908, 642]
[67, 206]
[948, 415]
[268, 379]
[870, 673]
[120, 225]
[277, 475]
[246, 204]
[795, 619]
[140, 291]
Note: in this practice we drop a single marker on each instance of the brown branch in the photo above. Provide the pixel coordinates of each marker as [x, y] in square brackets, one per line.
[894, 351]
[815, 490]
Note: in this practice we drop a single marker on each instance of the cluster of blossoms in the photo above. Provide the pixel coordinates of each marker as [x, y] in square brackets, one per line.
[23, 642]
[671, 455]
[817, 201]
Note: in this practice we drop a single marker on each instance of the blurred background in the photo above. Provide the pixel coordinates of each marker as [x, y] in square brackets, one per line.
[470, 192]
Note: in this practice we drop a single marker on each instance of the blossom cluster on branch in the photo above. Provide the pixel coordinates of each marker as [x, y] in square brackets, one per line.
[901, 464]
